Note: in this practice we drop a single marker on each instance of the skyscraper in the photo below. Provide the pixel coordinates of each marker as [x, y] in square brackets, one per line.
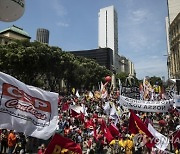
[108, 30]
[42, 35]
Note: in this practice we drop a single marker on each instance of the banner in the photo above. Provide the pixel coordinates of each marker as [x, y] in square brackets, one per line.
[60, 144]
[27, 109]
[131, 92]
[146, 106]
[177, 102]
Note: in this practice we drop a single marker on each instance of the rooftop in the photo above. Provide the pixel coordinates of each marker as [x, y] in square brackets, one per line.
[16, 30]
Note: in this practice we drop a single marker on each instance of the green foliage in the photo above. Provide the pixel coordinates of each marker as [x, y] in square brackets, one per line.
[122, 76]
[44, 66]
[155, 81]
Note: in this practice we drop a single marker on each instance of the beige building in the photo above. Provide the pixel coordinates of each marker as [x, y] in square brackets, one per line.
[173, 38]
[13, 33]
[125, 65]
[173, 9]
[174, 56]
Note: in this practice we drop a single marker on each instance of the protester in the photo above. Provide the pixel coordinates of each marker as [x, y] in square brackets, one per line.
[41, 149]
[4, 140]
[99, 145]
[21, 144]
[11, 141]
[115, 146]
[129, 145]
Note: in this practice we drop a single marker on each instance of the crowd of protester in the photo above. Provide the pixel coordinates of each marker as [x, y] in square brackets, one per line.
[18, 143]
[80, 132]
[86, 129]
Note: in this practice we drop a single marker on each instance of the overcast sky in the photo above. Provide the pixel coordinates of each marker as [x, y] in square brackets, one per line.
[73, 25]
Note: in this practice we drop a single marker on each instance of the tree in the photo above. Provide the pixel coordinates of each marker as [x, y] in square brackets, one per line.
[155, 81]
[44, 66]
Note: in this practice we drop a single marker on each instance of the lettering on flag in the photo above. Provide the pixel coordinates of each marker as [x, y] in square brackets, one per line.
[26, 108]
[14, 98]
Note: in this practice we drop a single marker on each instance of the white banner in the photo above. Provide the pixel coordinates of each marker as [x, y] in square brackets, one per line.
[146, 106]
[27, 109]
[177, 102]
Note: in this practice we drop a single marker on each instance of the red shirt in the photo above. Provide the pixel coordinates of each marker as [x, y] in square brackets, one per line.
[11, 140]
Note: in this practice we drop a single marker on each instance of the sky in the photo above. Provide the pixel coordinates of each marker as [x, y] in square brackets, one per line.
[73, 25]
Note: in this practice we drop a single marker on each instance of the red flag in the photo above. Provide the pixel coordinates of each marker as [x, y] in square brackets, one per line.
[74, 113]
[108, 135]
[89, 123]
[106, 132]
[176, 139]
[114, 130]
[65, 106]
[81, 117]
[60, 144]
[95, 115]
[136, 126]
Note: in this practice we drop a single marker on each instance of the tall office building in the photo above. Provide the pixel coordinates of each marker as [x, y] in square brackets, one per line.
[173, 9]
[108, 30]
[42, 35]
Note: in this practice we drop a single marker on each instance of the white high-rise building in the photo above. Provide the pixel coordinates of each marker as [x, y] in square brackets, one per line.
[108, 30]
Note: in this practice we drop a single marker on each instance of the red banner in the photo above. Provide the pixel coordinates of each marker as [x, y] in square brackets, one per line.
[60, 144]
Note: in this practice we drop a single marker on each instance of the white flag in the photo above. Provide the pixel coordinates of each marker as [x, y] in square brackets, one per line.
[77, 94]
[91, 95]
[161, 141]
[27, 109]
[78, 109]
[104, 94]
[113, 109]
[113, 112]
[107, 108]
[102, 87]
[120, 86]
